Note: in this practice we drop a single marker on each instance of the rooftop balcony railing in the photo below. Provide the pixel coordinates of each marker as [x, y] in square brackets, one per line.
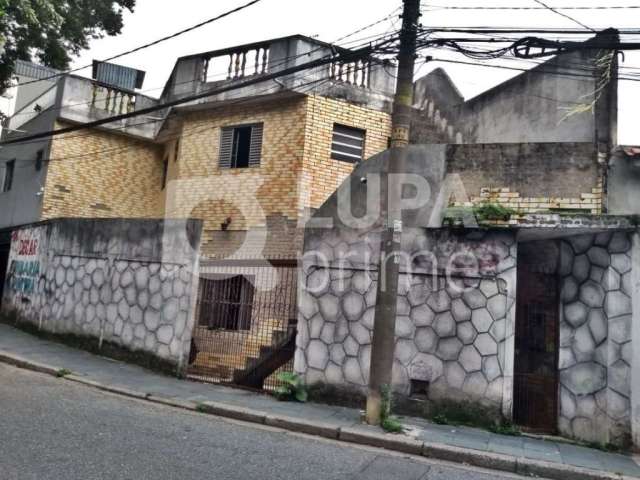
[112, 99]
[234, 64]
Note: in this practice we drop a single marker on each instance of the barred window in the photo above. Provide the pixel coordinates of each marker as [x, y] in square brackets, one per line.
[241, 146]
[347, 144]
[226, 303]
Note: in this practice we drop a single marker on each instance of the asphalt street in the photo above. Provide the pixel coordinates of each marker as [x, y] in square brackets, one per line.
[54, 429]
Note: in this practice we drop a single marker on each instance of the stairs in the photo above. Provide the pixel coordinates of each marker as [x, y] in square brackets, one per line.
[269, 359]
[243, 358]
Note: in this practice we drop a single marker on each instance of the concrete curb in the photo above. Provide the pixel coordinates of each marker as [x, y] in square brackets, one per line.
[23, 363]
[355, 434]
[300, 425]
[398, 443]
[477, 458]
[106, 388]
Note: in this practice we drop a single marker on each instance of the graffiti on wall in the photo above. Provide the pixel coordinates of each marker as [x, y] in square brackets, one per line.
[24, 262]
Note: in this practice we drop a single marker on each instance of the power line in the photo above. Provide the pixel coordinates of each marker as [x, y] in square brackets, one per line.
[365, 52]
[307, 86]
[533, 70]
[151, 44]
[522, 30]
[557, 12]
[359, 42]
[599, 7]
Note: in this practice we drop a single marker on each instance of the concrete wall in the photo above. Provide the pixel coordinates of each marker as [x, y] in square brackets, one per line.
[129, 282]
[455, 320]
[87, 100]
[623, 195]
[23, 204]
[284, 53]
[564, 170]
[530, 107]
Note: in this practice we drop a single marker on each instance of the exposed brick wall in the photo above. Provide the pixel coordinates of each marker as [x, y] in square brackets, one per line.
[199, 188]
[322, 175]
[296, 172]
[535, 170]
[122, 179]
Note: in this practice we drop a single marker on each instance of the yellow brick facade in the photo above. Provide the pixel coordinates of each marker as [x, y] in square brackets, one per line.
[102, 175]
[322, 175]
[296, 172]
[199, 188]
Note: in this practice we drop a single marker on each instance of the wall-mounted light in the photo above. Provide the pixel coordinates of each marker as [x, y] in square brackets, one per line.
[225, 225]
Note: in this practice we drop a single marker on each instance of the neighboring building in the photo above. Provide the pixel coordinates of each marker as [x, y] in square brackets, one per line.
[251, 163]
[530, 315]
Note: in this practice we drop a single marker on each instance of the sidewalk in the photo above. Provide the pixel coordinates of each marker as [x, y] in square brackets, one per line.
[456, 444]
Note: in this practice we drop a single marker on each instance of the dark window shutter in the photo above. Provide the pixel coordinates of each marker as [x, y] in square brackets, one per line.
[255, 151]
[226, 147]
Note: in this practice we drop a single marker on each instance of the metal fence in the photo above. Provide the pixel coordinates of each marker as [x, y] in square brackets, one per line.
[246, 323]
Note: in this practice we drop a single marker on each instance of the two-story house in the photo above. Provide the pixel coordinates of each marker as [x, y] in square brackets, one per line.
[250, 162]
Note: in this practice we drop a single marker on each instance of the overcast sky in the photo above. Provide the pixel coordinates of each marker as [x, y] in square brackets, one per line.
[332, 19]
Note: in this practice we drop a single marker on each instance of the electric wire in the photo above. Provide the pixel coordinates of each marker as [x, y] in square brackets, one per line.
[151, 44]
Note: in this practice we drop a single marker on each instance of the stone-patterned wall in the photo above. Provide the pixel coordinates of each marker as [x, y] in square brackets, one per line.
[595, 337]
[455, 333]
[131, 283]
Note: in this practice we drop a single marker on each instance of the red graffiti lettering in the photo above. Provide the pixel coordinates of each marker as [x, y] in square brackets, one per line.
[28, 247]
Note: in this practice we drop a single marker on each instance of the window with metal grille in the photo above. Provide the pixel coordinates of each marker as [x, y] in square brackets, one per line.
[9, 169]
[241, 146]
[39, 160]
[347, 144]
[225, 303]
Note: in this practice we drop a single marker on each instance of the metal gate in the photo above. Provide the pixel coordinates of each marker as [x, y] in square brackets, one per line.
[537, 332]
[245, 323]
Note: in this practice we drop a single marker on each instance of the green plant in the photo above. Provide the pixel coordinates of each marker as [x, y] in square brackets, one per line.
[292, 388]
[202, 408]
[388, 422]
[506, 428]
[392, 424]
[440, 419]
[492, 211]
[457, 216]
[63, 372]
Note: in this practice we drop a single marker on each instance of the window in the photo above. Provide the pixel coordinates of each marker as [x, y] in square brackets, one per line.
[39, 160]
[347, 144]
[9, 169]
[225, 304]
[165, 171]
[241, 146]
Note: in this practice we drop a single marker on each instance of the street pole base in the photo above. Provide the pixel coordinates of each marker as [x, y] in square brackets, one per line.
[374, 408]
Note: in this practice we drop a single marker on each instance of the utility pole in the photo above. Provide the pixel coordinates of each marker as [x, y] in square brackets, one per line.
[383, 347]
